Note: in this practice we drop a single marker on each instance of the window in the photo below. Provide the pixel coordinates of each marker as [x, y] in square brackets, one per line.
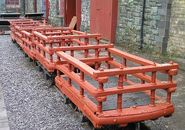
[12, 3]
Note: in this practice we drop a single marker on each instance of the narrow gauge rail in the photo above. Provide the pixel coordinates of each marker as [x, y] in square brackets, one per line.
[95, 81]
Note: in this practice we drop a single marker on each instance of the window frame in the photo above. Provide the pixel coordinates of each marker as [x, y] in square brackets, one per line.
[12, 3]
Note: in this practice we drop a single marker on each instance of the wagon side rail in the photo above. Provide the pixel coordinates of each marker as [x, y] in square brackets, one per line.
[47, 45]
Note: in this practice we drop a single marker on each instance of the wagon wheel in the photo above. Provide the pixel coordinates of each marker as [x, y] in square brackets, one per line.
[66, 100]
[2, 32]
[74, 107]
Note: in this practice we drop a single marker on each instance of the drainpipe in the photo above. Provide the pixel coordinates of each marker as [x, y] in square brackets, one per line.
[27, 6]
[24, 10]
[47, 9]
[142, 25]
[35, 5]
[65, 16]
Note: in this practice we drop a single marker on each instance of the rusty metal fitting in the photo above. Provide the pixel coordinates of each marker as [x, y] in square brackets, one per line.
[101, 99]
[102, 79]
[173, 72]
[171, 90]
[121, 67]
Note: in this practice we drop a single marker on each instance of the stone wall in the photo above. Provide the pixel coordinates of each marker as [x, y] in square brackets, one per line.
[30, 6]
[54, 20]
[22, 9]
[2, 6]
[85, 17]
[176, 46]
[39, 6]
[163, 25]
[156, 23]
[129, 22]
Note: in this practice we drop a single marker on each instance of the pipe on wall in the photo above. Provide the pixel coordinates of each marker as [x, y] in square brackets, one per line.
[24, 7]
[47, 9]
[27, 6]
[142, 25]
[35, 5]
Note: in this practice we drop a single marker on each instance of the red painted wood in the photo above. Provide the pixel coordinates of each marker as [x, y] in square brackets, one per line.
[35, 5]
[47, 9]
[104, 18]
[70, 10]
[78, 13]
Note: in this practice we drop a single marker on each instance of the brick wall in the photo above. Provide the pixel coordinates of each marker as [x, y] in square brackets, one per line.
[176, 45]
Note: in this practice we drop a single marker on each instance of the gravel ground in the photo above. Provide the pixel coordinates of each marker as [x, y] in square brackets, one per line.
[32, 105]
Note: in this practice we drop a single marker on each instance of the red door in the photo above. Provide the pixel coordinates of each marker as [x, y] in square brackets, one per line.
[104, 18]
[70, 10]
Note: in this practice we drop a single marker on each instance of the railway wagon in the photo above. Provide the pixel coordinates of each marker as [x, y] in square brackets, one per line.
[100, 92]
[105, 90]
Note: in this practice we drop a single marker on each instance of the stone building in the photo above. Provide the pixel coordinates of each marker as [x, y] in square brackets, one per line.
[129, 21]
[164, 23]
[162, 28]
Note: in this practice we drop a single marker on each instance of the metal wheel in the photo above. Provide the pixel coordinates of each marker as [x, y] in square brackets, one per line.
[46, 76]
[137, 126]
[52, 80]
[83, 118]
[30, 59]
[66, 100]
[74, 107]
[25, 55]
[40, 68]
[14, 41]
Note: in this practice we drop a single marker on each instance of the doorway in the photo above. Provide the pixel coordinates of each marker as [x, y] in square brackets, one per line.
[45, 5]
[70, 11]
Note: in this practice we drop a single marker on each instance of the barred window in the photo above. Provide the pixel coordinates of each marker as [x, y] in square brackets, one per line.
[12, 3]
